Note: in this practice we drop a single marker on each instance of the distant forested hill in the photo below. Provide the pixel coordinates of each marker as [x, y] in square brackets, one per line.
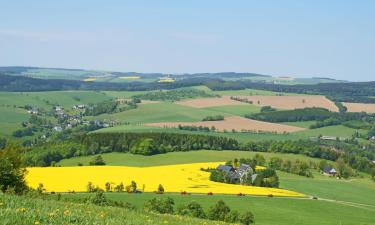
[339, 92]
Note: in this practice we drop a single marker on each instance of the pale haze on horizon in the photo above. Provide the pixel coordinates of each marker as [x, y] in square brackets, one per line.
[333, 39]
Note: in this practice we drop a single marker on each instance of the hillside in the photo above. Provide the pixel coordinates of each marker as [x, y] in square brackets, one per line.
[17, 210]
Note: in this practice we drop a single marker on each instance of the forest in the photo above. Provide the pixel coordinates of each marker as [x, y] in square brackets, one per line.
[338, 92]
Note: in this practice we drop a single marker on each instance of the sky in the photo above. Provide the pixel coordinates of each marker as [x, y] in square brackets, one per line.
[300, 38]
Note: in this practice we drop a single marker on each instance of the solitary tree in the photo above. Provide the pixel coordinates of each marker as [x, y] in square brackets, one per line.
[107, 187]
[160, 189]
[97, 161]
[12, 174]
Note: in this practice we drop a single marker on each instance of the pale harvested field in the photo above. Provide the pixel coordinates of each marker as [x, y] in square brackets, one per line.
[210, 102]
[148, 102]
[293, 102]
[359, 107]
[234, 122]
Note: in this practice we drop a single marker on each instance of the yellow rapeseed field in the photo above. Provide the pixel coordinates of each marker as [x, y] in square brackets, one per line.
[174, 178]
[90, 79]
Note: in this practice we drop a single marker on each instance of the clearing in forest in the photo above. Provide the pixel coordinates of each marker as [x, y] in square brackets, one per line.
[359, 107]
[236, 123]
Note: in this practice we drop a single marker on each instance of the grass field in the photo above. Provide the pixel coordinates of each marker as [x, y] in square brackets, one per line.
[244, 92]
[49, 98]
[160, 112]
[339, 201]
[10, 119]
[17, 210]
[336, 131]
[125, 159]
[321, 186]
[268, 211]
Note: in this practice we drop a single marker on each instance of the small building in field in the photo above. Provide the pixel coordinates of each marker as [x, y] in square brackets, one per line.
[328, 138]
[372, 138]
[225, 168]
[329, 171]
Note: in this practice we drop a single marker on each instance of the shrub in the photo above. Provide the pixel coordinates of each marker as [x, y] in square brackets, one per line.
[97, 161]
[159, 205]
[192, 209]
[247, 218]
[219, 211]
[160, 189]
[233, 216]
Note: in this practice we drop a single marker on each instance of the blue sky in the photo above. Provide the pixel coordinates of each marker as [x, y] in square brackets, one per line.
[297, 38]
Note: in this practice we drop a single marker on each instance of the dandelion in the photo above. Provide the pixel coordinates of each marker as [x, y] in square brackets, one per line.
[36, 222]
[21, 210]
[66, 212]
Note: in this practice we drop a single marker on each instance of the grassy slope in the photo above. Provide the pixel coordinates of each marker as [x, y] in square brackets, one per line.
[340, 131]
[10, 119]
[16, 210]
[161, 112]
[267, 211]
[321, 186]
[357, 208]
[49, 98]
[243, 92]
[124, 159]
[12, 115]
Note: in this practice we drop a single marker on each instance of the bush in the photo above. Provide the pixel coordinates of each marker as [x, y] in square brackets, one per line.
[159, 205]
[97, 161]
[247, 218]
[232, 217]
[219, 211]
[192, 209]
[160, 189]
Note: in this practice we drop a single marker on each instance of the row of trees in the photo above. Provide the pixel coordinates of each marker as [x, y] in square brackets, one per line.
[213, 118]
[295, 115]
[155, 143]
[174, 95]
[218, 212]
[196, 128]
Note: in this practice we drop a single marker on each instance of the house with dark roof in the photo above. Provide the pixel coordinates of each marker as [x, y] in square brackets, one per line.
[240, 174]
[329, 171]
[225, 168]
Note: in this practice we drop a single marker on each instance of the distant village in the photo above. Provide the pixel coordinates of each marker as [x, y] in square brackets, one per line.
[68, 120]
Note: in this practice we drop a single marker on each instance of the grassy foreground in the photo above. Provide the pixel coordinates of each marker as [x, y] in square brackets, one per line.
[15, 210]
[267, 211]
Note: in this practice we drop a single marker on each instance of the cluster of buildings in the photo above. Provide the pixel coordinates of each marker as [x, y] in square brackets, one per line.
[239, 174]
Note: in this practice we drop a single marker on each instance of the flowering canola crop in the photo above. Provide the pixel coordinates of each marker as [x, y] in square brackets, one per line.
[174, 178]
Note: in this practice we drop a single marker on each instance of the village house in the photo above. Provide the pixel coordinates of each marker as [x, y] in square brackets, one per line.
[328, 138]
[33, 111]
[329, 171]
[59, 108]
[78, 107]
[372, 138]
[57, 128]
[240, 173]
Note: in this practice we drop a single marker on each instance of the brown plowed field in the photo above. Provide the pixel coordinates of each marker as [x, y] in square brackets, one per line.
[234, 122]
[293, 102]
[359, 107]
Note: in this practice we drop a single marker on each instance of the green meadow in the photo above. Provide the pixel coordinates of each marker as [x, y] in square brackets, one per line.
[337, 200]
